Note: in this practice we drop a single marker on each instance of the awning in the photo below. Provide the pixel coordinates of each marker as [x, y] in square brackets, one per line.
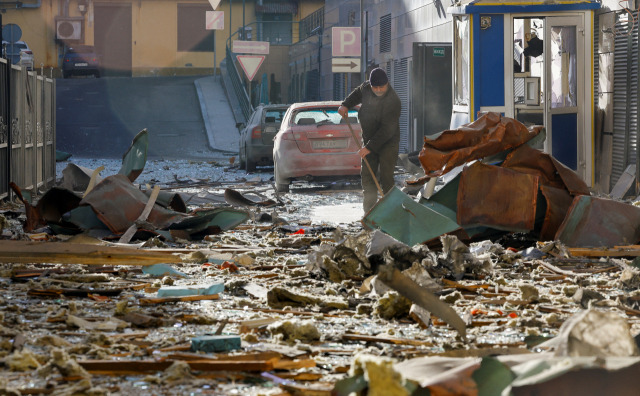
[499, 7]
[277, 7]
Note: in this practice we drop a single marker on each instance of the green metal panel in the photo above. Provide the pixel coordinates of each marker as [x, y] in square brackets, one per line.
[406, 220]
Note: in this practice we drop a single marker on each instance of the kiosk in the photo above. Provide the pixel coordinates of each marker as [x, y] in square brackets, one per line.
[532, 61]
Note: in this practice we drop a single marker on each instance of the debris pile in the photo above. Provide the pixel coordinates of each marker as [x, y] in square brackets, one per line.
[495, 182]
[297, 307]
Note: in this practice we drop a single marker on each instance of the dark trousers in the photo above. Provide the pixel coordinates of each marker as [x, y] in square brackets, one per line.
[383, 164]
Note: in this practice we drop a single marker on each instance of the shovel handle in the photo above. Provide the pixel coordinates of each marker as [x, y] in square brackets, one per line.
[373, 175]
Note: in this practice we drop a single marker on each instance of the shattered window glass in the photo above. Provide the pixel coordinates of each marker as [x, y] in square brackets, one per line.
[461, 55]
[323, 116]
[563, 67]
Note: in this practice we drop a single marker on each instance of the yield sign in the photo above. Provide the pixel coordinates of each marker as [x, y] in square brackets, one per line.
[214, 3]
[250, 64]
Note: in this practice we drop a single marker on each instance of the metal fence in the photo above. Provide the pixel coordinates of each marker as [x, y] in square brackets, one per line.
[237, 85]
[27, 130]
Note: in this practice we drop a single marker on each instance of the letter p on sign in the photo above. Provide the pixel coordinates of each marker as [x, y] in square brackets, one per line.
[345, 41]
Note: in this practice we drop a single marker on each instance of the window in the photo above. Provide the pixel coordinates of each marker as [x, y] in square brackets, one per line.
[385, 33]
[192, 35]
[461, 56]
[563, 67]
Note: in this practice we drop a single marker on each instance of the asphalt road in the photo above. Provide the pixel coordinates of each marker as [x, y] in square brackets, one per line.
[98, 117]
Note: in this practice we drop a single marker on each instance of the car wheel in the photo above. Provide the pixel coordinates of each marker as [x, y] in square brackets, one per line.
[282, 185]
[66, 74]
[96, 74]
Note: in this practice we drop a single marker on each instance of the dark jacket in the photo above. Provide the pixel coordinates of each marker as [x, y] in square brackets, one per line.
[379, 116]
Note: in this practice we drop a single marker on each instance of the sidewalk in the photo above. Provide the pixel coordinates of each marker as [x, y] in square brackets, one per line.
[217, 114]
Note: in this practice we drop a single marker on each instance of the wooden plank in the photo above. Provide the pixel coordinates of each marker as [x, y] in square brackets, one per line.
[286, 364]
[616, 251]
[162, 300]
[26, 252]
[124, 367]
[385, 340]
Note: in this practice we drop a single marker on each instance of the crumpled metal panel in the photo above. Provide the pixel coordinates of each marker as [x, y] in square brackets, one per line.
[170, 200]
[558, 202]
[84, 218]
[596, 222]
[551, 172]
[221, 219]
[488, 135]
[56, 202]
[406, 220]
[497, 197]
[77, 178]
[118, 204]
[134, 160]
[235, 198]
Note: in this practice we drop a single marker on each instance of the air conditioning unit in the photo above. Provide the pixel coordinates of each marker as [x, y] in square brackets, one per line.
[69, 29]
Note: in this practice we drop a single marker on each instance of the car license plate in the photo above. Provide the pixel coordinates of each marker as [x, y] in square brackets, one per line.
[82, 64]
[329, 144]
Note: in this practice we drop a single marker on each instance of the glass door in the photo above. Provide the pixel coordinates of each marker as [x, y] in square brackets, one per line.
[565, 90]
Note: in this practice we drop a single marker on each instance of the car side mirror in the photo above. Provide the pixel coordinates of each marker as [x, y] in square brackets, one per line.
[240, 125]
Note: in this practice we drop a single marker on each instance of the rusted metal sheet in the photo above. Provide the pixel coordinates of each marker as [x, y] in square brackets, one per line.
[34, 218]
[558, 201]
[594, 222]
[134, 160]
[488, 135]
[55, 203]
[118, 203]
[497, 197]
[551, 172]
[406, 220]
[444, 201]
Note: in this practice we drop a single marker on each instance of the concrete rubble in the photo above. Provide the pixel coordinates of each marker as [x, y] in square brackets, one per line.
[280, 303]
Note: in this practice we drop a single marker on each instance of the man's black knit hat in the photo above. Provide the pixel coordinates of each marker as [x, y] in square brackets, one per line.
[378, 77]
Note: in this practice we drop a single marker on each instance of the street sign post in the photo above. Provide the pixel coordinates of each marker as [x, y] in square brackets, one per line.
[214, 20]
[345, 65]
[345, 42]
[250, 47]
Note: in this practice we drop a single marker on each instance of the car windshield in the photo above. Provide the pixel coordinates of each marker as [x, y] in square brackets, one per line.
[323, 116]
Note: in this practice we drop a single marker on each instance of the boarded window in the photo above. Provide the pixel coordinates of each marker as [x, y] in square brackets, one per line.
[385, 33]
[192, 35]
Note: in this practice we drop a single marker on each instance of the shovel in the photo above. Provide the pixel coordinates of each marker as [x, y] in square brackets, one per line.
[373, 174]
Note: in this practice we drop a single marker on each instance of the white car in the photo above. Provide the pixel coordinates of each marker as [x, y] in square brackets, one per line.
[19, 53]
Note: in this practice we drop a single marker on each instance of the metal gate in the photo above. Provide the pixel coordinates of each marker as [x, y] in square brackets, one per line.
[27, 130]
[401, 85]
[625, 94]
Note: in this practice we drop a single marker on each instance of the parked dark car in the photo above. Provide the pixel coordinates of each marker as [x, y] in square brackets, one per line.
[256, 138]
[80, 60]
[314, 143]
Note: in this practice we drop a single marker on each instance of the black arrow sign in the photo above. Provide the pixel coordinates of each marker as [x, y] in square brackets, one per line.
[351, 65]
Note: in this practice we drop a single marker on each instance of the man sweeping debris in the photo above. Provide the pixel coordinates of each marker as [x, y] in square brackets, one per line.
[379, 117]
